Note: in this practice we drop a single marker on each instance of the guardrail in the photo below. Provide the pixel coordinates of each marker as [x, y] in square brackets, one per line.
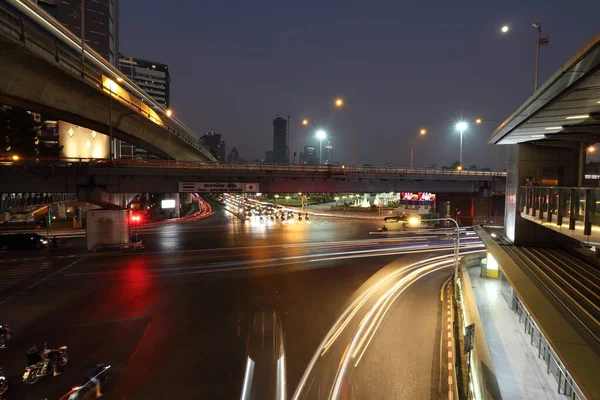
[61, 46]
[172, 164]
[577, 205]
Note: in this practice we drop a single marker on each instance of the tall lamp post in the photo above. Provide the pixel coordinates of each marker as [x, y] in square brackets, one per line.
[415, 221]
[539, 42]
[461, 127]
[321, 134]
[422, 132]
[339, 103]
[304, 123]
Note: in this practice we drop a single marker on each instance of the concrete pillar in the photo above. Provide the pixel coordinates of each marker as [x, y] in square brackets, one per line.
[547, 166]
[177, 205]
[581, 164]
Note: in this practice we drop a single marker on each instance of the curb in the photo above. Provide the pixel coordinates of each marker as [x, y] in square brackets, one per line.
[450, 344]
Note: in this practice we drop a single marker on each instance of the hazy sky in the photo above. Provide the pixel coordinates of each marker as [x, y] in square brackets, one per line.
[404, 64]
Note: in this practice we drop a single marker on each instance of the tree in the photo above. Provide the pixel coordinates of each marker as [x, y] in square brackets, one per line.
[454, 165]
[473, 167]
[18, 132]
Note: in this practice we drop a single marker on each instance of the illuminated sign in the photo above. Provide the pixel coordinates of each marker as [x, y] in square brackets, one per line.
[417, 196]
[169, 203]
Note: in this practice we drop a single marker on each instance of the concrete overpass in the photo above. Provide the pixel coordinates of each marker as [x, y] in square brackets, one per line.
[42, 71]
[90, 179]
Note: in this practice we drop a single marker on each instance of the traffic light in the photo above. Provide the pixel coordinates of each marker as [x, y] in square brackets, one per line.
[136, 218]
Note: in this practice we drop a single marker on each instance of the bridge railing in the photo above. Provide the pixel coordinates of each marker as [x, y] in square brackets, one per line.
[172, 164]
[52, 41]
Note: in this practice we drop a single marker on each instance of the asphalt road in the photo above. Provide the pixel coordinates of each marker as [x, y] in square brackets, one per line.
[174, 319]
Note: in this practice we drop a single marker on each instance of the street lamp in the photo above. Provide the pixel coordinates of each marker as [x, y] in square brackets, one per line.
[339, 103]
[415, 221]
[461, 127]
[539, 42]
[304, 123]
[591, 149]
[169, 112]
[321, 134]
[422, 132]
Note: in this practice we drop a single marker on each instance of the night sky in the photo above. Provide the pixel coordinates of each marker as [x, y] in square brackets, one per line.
[405, 64]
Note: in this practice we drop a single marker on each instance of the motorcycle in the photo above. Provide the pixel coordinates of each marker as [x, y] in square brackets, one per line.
[88, 390]
[5, 336]
[36, 371]
[3, 383]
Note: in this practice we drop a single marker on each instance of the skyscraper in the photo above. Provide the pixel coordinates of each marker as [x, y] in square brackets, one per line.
[281, 151]
[212, 141]
[151, 76]
[328, 154]
[309, 155]
[101, 23]
[234, 155]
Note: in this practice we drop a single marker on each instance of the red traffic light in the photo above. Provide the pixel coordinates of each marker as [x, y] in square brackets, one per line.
[136, 218]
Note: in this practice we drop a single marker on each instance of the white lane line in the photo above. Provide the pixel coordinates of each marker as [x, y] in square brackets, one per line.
[36, 284]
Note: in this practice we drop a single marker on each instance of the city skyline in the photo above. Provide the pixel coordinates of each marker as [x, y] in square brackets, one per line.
[458, 69]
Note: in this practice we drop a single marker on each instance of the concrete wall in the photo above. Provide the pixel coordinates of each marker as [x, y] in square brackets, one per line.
[549, 166]
[80, 142]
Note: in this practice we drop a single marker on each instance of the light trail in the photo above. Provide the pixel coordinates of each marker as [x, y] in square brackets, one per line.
[412, 273]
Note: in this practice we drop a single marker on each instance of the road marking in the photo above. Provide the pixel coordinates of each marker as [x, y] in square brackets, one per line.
[36, 284]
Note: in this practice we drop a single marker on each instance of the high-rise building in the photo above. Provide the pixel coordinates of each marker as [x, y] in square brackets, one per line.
[212, 141]
[281, 151]
[234, 155]
[151, 76]
[309, 155]
[328, 154]
[100, 22]
[269, 156]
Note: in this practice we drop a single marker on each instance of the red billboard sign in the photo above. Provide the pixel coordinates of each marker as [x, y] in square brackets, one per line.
[417, 196]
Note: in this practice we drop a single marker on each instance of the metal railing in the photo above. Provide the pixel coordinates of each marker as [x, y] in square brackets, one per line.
[562, 205]
[61, 46]
[266, 168]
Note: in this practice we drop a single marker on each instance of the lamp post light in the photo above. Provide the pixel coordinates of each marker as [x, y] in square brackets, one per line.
[415, 221]
[422, 132]
[304, 123]
[339, 103]
[461, 127]
[321, 134]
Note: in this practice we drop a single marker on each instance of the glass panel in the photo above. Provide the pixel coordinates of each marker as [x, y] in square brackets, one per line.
[565, 203]
[595, 207]
[580, 203]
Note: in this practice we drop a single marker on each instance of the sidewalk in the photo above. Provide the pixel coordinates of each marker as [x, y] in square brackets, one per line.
[521, 374]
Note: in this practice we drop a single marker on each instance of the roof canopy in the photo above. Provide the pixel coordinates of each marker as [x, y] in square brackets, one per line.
[566, 107]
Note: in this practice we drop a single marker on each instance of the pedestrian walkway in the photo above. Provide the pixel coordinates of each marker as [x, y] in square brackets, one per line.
[520, 372]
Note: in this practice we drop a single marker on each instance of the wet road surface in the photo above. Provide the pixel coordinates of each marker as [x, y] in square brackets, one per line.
[174, 319]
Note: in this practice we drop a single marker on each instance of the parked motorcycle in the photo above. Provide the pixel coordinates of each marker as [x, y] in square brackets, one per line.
[5, 335]
[42, 368]
[3, 383]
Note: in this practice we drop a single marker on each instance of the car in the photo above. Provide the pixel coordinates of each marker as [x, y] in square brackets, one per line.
[22, 241]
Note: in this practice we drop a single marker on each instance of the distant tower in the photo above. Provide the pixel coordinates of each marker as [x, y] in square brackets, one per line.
[280, 141]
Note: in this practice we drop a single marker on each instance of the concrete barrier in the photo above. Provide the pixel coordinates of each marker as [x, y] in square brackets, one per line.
[482, 378]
